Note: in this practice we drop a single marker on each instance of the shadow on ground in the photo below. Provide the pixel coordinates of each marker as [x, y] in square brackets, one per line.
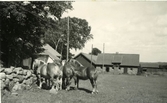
[83, 89]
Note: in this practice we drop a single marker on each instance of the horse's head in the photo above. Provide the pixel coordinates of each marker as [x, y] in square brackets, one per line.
[36, 64]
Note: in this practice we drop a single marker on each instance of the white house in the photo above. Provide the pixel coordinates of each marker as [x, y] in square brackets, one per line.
[48, 56]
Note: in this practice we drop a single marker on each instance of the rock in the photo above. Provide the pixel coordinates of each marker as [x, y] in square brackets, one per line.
[2, 84]
[3, 79]
[20, 77]
[2, 69]
[20, 72]
[15, 80]
[28, 74]
[25, 72]
[10, 77]
[17, 87]
[14, 93]
[7, 81]
[2, 76]
[8, 70]
[28, 81]
[33, 75]
[17, 70]
[11, 85]
[12, 67]
[23, 86]
[14, 75]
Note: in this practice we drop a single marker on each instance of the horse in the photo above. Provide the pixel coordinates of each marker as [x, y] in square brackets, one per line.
[55, 75]
[51, 72]
[36, 64]
[79, 72]
[68, 73]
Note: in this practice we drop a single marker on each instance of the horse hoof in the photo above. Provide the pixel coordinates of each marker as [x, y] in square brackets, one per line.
[93, 92]
[67, 89]
[39, 87]
[53, 91]
[97, 91]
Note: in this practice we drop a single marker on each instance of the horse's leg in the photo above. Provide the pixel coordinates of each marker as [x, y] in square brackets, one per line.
[49, 82]
[46, 82]
[39, 80]
[57, 83]
[53, 90]
[96, 87]
[40, 83]
[75, 80]
[68, 83]
[60, 83]
[93, 86]
[77, 83]
[63, 84]
[53, 84]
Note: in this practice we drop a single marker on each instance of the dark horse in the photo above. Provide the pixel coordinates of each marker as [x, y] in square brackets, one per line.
[76, 70]
[68, 74]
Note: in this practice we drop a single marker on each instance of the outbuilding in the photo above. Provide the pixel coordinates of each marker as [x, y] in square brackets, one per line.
[119, 63]
[48, 56]
[86, 59]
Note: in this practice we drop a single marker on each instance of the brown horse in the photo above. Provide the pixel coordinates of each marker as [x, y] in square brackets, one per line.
[78, 71]
[68, 73]
[50, 72]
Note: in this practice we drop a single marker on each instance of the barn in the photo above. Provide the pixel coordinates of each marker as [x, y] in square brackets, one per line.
[85, 59]
[48, 56]
[118, 63]
[149, 67]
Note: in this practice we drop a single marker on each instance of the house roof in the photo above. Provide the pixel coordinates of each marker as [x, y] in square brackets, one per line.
[88, 56]
[50, 51]
[149, 65]
[123, 59]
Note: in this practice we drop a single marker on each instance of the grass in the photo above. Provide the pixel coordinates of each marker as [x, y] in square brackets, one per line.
[112, 89]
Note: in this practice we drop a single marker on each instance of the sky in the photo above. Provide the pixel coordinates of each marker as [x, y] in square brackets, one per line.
[131, 27]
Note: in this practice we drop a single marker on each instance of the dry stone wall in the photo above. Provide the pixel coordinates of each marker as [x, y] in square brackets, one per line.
[16, 78]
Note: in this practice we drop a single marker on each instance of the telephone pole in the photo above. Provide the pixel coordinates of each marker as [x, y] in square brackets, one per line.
[67, 37]
[91, 54]
[103, 53]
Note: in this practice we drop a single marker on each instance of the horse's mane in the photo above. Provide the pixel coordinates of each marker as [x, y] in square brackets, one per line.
[75, 62]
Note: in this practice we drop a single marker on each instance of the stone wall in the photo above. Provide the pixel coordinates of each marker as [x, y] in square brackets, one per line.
[16, 78]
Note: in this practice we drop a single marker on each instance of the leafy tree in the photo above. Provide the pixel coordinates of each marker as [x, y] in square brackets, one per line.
[95, 51]
[79, 35]
[23, 24]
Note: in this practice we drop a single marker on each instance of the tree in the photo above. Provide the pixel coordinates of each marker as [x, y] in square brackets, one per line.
[79, 34]
[95, 51]
[23, 25]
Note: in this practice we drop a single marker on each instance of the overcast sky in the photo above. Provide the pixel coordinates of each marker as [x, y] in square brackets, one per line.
[126, 27]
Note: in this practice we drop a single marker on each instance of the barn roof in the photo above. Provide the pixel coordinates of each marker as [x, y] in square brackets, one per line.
[149, 65]
[123, 59]
[50, 51]
[88, 56]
